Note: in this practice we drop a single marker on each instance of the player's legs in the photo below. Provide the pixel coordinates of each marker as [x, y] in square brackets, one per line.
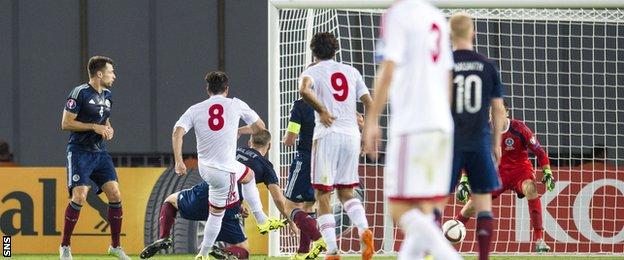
[326, 220]
[79, 168]
[168, 212]
[483, 179]
[221, 194]
[423, 160]
[115, 213]
[252, 196]
[355, 210]
[529, 190]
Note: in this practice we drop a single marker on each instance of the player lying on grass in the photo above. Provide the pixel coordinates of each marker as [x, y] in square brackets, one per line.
[193, 205]
[517, 174]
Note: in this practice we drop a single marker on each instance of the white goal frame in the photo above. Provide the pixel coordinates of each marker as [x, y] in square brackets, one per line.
[274, 59]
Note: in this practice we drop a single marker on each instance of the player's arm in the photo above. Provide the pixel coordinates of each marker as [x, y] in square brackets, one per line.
[252, 128]
[69, 123]
[294, 125]
[305, 89]
[498, 122]
[542, 157]
[278, 198]
[177, 139]
[181, 127]
[372, 132]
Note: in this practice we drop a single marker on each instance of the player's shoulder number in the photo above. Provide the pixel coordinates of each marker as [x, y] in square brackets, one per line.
[465, 86]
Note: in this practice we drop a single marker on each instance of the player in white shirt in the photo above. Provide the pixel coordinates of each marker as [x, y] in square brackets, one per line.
[332, 89]
[216, 128]
[416, 69]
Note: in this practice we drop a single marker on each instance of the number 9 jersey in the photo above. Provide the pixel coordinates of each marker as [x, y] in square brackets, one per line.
[476, 82]
[338, 87]
[216, 128]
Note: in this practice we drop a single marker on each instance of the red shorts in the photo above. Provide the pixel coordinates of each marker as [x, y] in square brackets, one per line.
[512, 179]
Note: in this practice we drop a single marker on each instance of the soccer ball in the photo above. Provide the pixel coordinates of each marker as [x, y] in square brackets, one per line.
[454, 231]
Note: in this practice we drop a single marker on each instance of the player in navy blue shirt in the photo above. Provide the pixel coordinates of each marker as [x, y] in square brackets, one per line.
[193, 203]
[477, 86]
[87, 117]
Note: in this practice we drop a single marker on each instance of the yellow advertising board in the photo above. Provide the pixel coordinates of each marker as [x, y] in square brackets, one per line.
[33, 201]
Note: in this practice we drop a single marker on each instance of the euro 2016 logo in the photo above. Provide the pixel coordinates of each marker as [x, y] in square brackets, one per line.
[6, 246]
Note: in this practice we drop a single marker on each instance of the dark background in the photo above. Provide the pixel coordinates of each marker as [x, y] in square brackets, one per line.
[162, 51]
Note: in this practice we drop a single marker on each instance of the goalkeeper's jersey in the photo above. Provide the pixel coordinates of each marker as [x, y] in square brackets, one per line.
[517, 140]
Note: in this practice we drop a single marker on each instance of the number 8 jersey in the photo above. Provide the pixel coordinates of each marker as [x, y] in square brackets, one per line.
[476, 82]
[216, 128]
[338, 87]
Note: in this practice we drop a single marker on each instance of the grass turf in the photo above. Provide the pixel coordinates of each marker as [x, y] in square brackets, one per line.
[260, 257]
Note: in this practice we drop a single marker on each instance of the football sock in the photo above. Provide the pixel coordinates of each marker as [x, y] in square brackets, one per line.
[535, 212]
[166, 220]
[72, 212]
[211, 231]
[424, 236]
[305, 223]
[115, 218]
[252, 196]
[484, 233]
[355, 211]
[327, 225]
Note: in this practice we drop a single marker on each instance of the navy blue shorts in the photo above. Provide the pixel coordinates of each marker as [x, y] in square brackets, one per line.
[193, 205]
[86, 168]
[483, 177]
[299, 186]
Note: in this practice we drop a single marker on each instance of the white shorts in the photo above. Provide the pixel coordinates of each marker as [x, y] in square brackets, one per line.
[335, 160]
[418, 166]
[223, 185]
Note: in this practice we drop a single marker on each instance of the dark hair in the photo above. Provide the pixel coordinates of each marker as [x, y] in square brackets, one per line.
[97, 63]
[5, 153]
[217, 81]
[261, 139]
[324, 45]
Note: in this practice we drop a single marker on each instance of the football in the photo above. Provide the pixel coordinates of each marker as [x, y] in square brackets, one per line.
[454, 231]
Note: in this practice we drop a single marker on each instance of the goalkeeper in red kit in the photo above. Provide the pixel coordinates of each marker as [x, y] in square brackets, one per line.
[517, 174]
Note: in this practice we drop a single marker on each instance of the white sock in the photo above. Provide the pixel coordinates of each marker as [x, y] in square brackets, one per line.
[355, 211]
[211, 231]
[427, 235]
[252, 196]
[413, 247]
[327, 226]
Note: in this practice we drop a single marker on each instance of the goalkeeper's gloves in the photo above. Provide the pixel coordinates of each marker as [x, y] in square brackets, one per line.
[462, 192]
[548, 179]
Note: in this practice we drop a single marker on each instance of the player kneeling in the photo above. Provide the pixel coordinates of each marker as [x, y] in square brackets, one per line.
[193, 205]
[517, 174]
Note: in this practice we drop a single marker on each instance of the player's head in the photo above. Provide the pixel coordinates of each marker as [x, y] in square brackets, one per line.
[324, 46]
[217, 83]
[5, 153]
[101, 69]
[462, 28]
[262, 139]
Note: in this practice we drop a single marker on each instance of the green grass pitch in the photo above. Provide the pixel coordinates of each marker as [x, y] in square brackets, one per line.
[260, 257]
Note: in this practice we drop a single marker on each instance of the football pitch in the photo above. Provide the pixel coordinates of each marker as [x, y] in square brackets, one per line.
[262, 257]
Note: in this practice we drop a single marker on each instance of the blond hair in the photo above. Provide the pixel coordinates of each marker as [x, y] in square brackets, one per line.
[462, 26]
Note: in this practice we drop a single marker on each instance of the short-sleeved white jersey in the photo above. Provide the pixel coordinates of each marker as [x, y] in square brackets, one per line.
[216, 128]
[415, 36]
[338, 87]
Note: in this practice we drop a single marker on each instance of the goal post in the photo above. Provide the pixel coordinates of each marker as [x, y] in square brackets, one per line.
[562, 65]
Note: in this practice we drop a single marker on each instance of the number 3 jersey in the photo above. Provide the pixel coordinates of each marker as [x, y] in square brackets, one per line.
[415, 36]
[338, 87]
[475, 83]
[216, 129]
